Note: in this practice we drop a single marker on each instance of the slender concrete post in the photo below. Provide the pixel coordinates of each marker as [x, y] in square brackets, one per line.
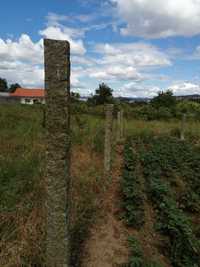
[122, 125]
[108, 139]
[183, 127]
[118, 126]
[57, 85]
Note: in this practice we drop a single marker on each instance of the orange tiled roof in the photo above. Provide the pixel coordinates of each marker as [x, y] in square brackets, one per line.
[23, 92]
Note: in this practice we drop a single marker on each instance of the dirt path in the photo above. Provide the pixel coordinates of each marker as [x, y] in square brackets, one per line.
[107, 245]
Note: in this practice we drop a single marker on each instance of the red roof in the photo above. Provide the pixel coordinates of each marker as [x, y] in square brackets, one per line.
[23, 92]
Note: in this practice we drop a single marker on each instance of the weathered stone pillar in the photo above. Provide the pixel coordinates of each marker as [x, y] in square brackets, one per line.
[183, 127]
[108, 139]
[57, 85]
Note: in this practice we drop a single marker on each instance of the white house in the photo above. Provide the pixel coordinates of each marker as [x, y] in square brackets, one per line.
[29, 96]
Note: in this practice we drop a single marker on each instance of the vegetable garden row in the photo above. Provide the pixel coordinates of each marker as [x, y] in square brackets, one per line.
[163, 173]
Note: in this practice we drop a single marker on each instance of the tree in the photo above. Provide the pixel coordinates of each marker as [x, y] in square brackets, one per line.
[102, 95]
[189, 108]
[13, 87]
[3, 85]
[164, 99]
[75, 97]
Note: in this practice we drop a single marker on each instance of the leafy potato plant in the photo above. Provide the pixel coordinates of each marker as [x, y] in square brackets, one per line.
[171, 172]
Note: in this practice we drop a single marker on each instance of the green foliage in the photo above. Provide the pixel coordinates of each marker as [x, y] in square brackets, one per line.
[13, 87]
[5, 88]
[22, 155]
[85, 211]
[189, 201]
[162, 107]
[13, 179]
[21, 190]
[172, 173]
[149, 112]
[146, 112]
[20, 168]
[132, 192]
[3, 85]
[87, 129]
[164, 99]
[137, 258]
[102, 96]
[165, 158]
[98, 139]
[188, 107]
[74, 97]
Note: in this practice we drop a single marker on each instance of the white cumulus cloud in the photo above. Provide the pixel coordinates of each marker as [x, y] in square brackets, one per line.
[125, 62]
[116, 73]
[25, 74]
[133, 54]
[64, 33]
[158, 18]
[185, 88]
[21, 60]
[133, 89]
[23, 49]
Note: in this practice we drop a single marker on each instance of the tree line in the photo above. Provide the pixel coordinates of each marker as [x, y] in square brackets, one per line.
[104, 95]
[163, 106]
[4, 87]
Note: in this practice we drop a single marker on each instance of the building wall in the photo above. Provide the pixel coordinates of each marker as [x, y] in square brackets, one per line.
[32, 101]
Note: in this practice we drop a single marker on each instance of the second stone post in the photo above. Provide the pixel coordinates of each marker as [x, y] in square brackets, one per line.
[183, 122]
[108, 139]
[120, 125]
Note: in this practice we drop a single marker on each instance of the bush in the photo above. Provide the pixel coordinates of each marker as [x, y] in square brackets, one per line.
[192, 109]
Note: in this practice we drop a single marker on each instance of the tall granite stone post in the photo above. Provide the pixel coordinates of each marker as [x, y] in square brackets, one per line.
[57, 85]
[108, 139]
[183, 127]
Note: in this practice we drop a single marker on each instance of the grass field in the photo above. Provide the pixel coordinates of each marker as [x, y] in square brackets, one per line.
[22, 150]
[138, 127]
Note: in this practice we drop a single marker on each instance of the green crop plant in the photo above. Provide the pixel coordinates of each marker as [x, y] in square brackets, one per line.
[137, 258]
[132, 192]
[164, 157]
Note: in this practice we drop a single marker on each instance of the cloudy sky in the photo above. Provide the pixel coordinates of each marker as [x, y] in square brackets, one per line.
[137, 47]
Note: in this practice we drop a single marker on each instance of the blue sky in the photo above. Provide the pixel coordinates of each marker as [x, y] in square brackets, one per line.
[137, 47]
